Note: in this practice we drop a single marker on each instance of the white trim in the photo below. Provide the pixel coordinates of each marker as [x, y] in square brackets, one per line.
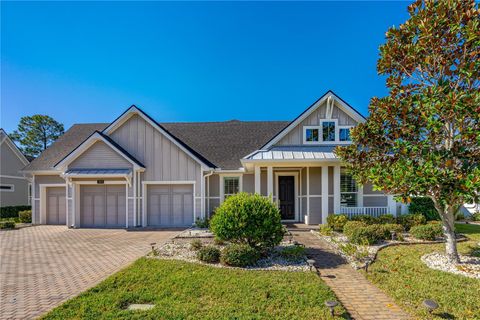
[43, 200]
[13, 177]
[14, 148]
[336, 189]
[94, 182]
[258, 179]
[12, 187]
[126, 206]
[307, 221]
[133, 110]
[305, 128]
[350, 134]
[222, 176]
[319, 127]
[270, 181]
[202, 195]
[34, 208]
[295, 175]
[169, 182]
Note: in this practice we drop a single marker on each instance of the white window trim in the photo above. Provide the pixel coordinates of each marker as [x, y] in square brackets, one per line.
[345, 127]
[12, 187]
[359, 192]
[222, 183]
[320, 133]
[305, 128]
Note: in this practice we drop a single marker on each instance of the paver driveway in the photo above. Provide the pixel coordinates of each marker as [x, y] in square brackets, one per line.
[42, 266]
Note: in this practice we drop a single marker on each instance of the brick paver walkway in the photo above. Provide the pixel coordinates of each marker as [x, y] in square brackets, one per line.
[362, 299]
[42, 266]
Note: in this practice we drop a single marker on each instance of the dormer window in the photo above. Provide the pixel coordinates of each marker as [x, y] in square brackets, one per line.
[328, 131]
[311, 134]
[344, 134]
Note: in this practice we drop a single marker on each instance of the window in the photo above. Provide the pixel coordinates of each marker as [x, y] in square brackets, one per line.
[344, 134]
[328, 131]
[348, 190]
[7, 187]
[231, 186]
[311, 134]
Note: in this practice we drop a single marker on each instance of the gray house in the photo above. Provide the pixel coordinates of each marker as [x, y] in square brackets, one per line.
[137, 172]
[14, 187]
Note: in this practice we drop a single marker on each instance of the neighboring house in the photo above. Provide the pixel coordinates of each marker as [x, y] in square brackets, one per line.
[138, 172]
[14, 187]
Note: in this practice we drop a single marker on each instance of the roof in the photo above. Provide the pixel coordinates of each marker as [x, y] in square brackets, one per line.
[295, 153]
[222, 143]
[82, 172]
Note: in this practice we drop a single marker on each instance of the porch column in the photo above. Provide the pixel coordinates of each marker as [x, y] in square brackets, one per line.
[336, 189]
[324, 194]
[202, 195]
[270, 181]
[257, 179]
[392, 205]
[307, 220]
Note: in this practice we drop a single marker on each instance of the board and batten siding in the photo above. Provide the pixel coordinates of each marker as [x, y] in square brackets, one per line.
[100, 155]
[295, 136]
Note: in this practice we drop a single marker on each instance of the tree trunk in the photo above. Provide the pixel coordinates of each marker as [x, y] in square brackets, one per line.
[447, 214]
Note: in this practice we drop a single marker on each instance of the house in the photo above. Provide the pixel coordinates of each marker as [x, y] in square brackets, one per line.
[14, 187]
[137, 172]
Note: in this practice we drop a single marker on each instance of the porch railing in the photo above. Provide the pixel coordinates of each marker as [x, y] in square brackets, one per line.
[356, 211]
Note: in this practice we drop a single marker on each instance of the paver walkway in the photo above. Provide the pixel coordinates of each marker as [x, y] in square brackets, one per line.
[42, 266]
[362, 299]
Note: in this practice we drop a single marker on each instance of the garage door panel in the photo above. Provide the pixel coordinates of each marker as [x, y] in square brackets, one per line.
[56, 205]
[103, 206]
[169, 205]
[86, 217]
[164, 210]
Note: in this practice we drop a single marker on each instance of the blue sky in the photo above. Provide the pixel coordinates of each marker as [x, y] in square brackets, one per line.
[213, 61]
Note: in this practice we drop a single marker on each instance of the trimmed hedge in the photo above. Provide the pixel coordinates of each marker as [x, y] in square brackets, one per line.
[239, 255]
[7, 225]
[209, 254]
[25, 216]
[429, 231]
[411, 220]
[12, 211]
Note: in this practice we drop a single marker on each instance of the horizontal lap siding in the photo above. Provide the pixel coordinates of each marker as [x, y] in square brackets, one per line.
[16, 198]
[100, 155]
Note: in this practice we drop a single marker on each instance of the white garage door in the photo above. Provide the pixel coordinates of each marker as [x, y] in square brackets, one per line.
[102, 206]
[56, 205]
[170, 205]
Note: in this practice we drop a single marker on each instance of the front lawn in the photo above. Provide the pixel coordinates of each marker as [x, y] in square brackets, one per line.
[182, 290]
[400, 272]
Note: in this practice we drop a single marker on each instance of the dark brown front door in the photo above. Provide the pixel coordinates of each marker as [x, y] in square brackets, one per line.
[286, 191]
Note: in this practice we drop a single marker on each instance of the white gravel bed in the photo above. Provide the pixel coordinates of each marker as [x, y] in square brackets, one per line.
[195, 233]
[181, 250]
[469, 266]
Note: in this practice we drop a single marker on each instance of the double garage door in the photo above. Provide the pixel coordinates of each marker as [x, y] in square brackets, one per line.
[170, 205]
[102, 206]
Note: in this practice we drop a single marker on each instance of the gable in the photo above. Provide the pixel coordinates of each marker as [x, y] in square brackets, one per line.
[99, 155]
[11, 159]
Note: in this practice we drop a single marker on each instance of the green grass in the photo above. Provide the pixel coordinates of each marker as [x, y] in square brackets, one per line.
[400, 272]
[183, 290]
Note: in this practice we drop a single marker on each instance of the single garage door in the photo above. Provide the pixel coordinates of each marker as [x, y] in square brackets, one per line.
[170, 205]
[56, 205]
[102, 206]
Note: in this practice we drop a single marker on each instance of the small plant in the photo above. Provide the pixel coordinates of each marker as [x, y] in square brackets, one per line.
[239, 255]
[337, 221]
[196, 244]
[209, 254]
[293, 253]
[325, 230]
[410, 220]
[25, 216]
[428, 231]
[354, 251]
[7, 225]
[218, 242]
[202, 223]
[387, 218]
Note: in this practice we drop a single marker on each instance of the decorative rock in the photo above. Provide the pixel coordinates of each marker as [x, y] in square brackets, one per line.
[469, 266]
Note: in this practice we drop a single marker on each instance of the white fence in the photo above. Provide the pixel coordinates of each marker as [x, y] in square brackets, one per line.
[370, 211]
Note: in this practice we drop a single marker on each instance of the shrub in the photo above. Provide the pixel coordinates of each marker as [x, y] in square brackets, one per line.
[387, 218]
[425, 207]
[459, 216]
[25, 216]
[428, 231]
[196, 244]
[410, 220]
[239, 255]
[202, 223]
[12, 211]
[337, 221]
[293, 253]
[476, 216]
[250, 219]
[360, 233]
[325, 230]
[7, 225]
[364, 218]
[209, 254]
[395, 227]
[351, 225]
[352, 250]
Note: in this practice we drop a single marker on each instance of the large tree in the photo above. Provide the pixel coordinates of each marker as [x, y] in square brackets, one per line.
[423, 139]
[35, 133]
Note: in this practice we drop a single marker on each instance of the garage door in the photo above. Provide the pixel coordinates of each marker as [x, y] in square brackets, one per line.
[102, 206]
[56, 205]
[170, 205]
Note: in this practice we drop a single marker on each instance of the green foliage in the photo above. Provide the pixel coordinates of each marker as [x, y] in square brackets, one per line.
[459, 216]
[386, 218]
[354, 251]
[394, 227]
[360, 233]
[293, 253]
[428, 231]
[410, 220]
[202, 223]
[35, 133]
[218, 242]
[239, 255]
[423, 206]
[12, 211]
[325, 230]
[250, 219]
[364, 218]
[337, 221]
[351, 225]
[25, 216]
[208, 254]
[196, 244]
[7, 225]
[476, 216]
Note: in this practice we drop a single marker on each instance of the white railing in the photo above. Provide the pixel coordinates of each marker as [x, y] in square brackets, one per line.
[370, 211]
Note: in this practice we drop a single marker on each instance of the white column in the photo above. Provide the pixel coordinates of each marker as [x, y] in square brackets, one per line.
[360, 196]
[324, 194]
[257, 179]
[202, 195]
[135, 220]
[208, 195]
[35, 219]
[270, 181]
[336, 189]
[307, 221]
[392, 205]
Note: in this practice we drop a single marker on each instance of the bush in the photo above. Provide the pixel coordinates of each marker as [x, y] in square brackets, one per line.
[397, 228]
[364, 218]
[476, 216]
[428, 231]
[459, 216]
[7, 225]
[209, 254]
[325, 230]
[387, 218]
[196, 244]
[360, 233]
[293, 253]
[12, 211]
[218, 242]
[425, 207]
[249, 219]
[410, 220]
[337, 221]
[202, 223]
[239, 255]
[25, 216]
[351, 225]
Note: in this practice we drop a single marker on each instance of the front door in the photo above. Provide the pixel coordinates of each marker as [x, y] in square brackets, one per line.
[286, 192]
